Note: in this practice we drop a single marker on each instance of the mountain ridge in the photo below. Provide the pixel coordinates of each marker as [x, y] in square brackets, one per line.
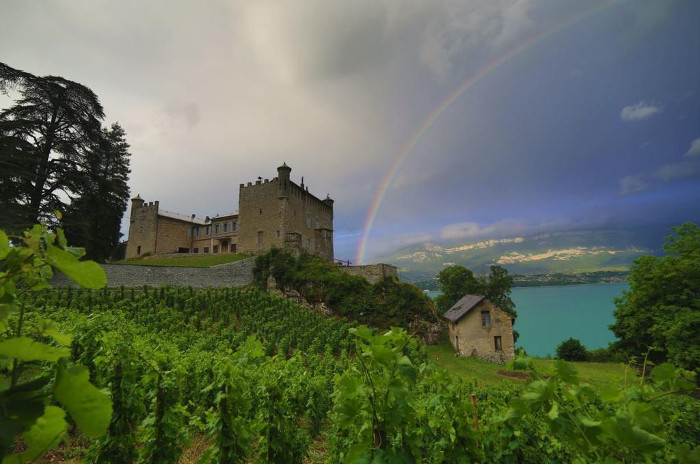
[568, 251]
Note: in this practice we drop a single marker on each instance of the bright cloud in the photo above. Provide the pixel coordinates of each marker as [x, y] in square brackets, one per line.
[641, 110]
[694, 150]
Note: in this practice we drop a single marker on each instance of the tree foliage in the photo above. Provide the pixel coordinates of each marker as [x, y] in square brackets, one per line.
[55, 156]
[662, 308]
[457, 281]
[94, 217]
[572, 350]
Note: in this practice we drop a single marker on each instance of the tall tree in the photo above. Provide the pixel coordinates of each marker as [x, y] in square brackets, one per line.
[455, 282]
[661, 310]
[497, 286]
[43, 138]
[94, 218]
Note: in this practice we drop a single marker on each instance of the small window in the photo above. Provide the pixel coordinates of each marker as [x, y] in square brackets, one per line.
[216, 248]
[208, 230]
[138, 250]
[260, 212]
[308, 220]
[318, 223]
[278, 234]
[233, 247]
[195, 231]
[234, 226]
[140, 228]
[497, 343]
[206, 249]
[485, 319]
[195, 250]
[225, 226]
[216, 229]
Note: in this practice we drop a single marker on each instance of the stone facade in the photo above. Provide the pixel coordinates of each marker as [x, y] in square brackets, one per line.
[271, 213]
[372, 272]
[484, 332]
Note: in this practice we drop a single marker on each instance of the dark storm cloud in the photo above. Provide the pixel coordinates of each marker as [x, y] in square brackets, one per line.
[219, 93]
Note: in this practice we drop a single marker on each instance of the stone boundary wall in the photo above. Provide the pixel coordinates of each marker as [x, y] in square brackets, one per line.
[236, 274]
[372, 272]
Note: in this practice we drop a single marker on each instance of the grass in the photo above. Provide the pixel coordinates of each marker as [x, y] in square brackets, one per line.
[207, 260]
[485, 373]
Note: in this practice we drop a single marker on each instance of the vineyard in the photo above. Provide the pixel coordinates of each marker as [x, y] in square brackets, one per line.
[257, 378]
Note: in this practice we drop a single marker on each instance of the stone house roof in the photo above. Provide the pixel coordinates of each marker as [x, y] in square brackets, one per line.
[180, 217]
[462, 307]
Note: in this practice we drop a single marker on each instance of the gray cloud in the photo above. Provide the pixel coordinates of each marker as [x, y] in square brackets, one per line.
[632, 184]
[639, 111]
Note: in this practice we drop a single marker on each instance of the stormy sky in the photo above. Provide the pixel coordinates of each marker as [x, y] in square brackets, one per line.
[501, 116]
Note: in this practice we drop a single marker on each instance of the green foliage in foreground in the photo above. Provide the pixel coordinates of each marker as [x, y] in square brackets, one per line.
[383, 304]
[661, 310]
[620, 422]
[207, 260]
[28, 395]
[261, 378]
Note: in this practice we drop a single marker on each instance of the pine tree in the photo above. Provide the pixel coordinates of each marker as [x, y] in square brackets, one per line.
[94, 218]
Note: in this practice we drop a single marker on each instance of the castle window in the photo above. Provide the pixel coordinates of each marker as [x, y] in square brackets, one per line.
[485, 319]
[225, 226]
[233, 247]
[216, 248]
[216, 230]
[195, 231]
[141, 229]
[206, 249]
[138, 250]
[497, 343]
[308, 220]
[195, 250]
[278, 234]
[234, 226]
[260, 212]
[318, 223]
[207, 230]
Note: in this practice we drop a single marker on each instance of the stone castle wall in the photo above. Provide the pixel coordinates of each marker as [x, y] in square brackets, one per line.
[259, 217]
[237, 274]
[372, 272]
[172, 235]
[472, 340]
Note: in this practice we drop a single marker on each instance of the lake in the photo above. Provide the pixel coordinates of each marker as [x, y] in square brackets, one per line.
[549, 315]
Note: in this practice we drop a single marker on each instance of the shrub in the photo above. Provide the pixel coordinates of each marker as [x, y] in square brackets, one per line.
[572, 350]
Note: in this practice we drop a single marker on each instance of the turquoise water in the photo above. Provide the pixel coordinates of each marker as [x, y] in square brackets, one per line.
[549, 315]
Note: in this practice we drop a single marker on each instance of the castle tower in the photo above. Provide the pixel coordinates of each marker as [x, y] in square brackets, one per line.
[283, 173]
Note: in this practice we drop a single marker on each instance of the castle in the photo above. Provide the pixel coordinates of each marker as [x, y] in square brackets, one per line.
[273, 213]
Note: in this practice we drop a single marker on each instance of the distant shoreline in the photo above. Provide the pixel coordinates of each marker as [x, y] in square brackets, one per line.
[549, 280]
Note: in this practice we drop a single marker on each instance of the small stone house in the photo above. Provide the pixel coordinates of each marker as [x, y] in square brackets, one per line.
[479, 329]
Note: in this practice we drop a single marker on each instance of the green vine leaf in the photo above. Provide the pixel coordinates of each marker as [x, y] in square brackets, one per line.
[87, 274]
[26, 349]
[46, 433]
[4, 245]
[88, 406]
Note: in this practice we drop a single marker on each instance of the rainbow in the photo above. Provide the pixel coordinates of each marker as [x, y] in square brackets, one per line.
[447, 102]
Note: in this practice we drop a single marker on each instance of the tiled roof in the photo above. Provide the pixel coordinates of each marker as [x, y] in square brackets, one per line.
[462, 307]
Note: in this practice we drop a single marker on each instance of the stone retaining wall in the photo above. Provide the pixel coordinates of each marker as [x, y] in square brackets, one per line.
[372, 272]
[236, 274]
